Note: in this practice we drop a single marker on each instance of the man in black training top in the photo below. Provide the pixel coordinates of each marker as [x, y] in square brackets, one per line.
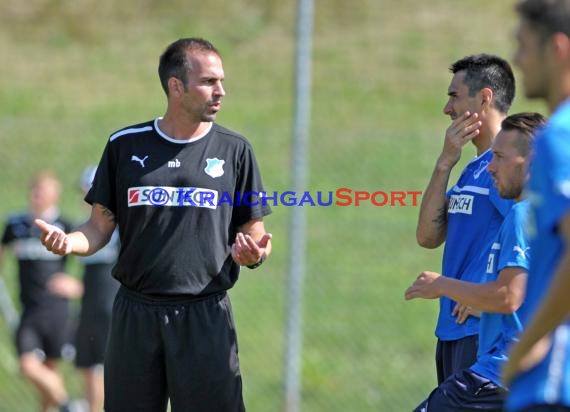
[175, 187]
[44, 331]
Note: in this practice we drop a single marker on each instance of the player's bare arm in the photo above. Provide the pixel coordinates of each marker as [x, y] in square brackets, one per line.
[252, 244]
[432, 223]
[505, 295]
[107, 213]
[85, 240]
[555, 308]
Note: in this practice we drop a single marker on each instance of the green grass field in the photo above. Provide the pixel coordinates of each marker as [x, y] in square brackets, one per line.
[73, 72]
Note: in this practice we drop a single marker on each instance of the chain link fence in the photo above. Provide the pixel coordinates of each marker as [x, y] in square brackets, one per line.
[74, 73]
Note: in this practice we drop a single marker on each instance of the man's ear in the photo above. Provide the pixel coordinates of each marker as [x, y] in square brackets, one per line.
[175, 87]
[486, 97]
[561, 46]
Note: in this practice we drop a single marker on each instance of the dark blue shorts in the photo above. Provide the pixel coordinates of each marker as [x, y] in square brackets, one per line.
[465, 391]
[454, 355]
[180, 350]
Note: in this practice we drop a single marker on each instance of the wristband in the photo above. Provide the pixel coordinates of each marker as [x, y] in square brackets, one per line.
[259, 262]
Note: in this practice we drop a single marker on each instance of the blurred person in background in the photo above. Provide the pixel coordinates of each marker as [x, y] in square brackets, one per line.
[44, 330]
[99, 290]
[539, 364]
[501, 293]
[171, 186]
[466, 217]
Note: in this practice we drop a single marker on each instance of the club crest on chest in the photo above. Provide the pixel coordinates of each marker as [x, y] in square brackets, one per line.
[214, 167]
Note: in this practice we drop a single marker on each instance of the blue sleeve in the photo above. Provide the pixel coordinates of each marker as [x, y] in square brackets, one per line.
[557, 152]
[451, 190]
[515, 250]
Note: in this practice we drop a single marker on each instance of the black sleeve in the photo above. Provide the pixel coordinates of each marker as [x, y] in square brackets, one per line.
[8, 235]
[248, 180]
[103, 189]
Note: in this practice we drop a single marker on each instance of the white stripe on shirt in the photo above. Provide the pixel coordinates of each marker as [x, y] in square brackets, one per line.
[473, 189]
[129, 131]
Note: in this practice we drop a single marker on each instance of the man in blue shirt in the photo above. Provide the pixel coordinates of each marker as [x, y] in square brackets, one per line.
[500, 295]
[468, 216]
[539, 366]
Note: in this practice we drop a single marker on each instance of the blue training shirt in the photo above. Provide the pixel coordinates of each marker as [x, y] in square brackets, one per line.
[549, 195]
[474, 215]
[497, 331]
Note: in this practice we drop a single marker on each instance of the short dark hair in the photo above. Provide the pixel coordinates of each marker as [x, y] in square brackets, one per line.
[174, 60]
[526, 124]
[546, 16]
[487, 70]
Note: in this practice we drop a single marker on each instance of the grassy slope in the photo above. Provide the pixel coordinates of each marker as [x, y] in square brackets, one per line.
[74, 73]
